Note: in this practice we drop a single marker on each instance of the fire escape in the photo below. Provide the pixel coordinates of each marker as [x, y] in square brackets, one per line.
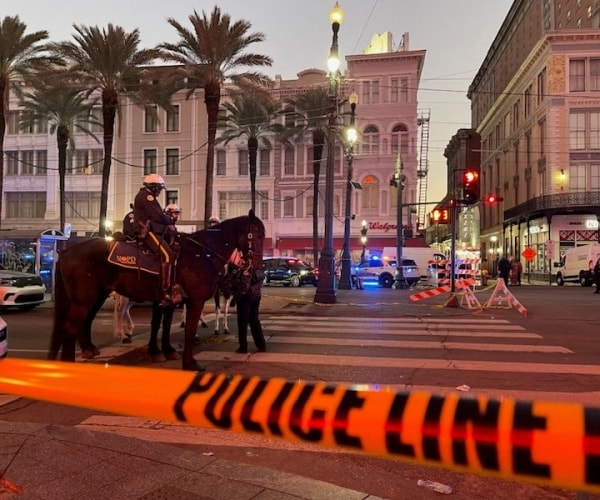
[423, 167]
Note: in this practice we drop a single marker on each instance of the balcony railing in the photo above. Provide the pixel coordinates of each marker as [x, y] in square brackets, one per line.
[556, 202]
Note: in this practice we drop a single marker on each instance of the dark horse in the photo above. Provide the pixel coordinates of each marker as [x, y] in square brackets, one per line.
[85, 278]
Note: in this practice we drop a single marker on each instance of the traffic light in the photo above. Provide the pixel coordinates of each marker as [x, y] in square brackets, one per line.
[470, 184]
[491, 199]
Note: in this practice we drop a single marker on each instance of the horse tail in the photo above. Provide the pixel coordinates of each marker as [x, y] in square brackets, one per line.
[60, 303]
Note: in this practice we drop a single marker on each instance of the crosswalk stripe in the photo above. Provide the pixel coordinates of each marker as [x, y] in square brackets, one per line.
[425, 344]
[295, 329]
[422, 364]
[363, 319]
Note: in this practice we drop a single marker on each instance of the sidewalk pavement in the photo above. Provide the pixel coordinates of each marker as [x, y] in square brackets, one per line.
[63, 462]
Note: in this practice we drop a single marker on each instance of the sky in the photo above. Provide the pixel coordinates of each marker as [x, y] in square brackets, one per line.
[456, 35]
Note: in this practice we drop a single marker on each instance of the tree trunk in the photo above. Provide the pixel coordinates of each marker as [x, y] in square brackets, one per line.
[3, 113]
[212, 98]
[252, 154]
[109, 111]
[318, 144]
[62, 140]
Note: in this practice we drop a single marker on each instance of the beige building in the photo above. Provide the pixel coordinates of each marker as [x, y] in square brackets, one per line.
[385, 77]
[536, 106]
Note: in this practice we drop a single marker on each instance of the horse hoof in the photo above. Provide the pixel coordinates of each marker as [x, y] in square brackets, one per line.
[157, 358]
[192, 366]
[216, 332]
[226, 331]
[203, 324]
[95, 351]
[182, 324]
[87, 354]
[172, 356]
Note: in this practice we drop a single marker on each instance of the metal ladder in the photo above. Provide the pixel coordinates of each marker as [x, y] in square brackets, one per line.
[423, 167]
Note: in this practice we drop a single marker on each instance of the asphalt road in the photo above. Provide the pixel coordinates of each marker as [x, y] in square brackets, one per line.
[372, 337]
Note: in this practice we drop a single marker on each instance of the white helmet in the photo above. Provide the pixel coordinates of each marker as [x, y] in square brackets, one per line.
[172, 208]
[214, 220]
[154, 180]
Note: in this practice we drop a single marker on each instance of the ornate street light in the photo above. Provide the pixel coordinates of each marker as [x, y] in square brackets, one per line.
[399, 179]
[326, 287]
[351, 136]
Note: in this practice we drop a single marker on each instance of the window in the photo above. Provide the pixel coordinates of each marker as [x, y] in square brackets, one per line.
[26, 205]
[594, 135]
[41, 162]
[541, 86]
[394, 90]
[289, 117]
[366, 99]
[27, 163]
[308, 209]
[171, 197]
[265, 162]
[96, 119]
[11, 159]
[542, 136]
[370, 193]
[577, 178]
[577, 75]
[370, 140]
[96, 160]
[243, 163]
[404, 90]
[12, 123]
[375, 92]
[288, 206]
[151, 118]
[150, 156]
[81, 162]
[172, 161]
[515, 115]
[82, 204]
[173, 119]
[234, 204]
[527, 103]
[289, 167]
[595, 177]
[400, 139]
[221, 162]
[577, 130]
[595, 75]
[26, 124]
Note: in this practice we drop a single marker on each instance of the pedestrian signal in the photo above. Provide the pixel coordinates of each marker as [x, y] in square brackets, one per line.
[439, 216]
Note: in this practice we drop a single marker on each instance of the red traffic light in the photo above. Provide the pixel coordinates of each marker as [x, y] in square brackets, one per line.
[492, 199]
[470, 176]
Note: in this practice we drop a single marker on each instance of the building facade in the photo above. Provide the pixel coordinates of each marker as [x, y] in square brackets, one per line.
[173, 144]
[536, 105]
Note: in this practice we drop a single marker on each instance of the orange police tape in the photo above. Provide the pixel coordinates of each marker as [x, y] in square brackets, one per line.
[552, 444]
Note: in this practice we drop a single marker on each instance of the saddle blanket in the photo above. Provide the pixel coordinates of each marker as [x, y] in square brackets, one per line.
[132, 255]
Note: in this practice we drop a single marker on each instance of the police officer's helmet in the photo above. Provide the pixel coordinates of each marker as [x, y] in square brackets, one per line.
[154, 181]
[172, 208]
[214, 220]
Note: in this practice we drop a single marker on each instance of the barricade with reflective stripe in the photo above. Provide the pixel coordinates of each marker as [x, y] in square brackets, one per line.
[553, 444]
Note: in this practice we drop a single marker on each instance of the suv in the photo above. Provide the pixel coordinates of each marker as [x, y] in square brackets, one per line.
[384, 273]
[289, 271]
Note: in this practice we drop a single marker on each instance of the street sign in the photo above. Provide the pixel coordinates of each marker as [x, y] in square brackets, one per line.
[529, 253]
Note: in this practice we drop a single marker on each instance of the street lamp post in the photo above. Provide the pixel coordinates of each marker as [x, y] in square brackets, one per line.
[363, 240]
[399, 178]
[326, 287]
[351, 136]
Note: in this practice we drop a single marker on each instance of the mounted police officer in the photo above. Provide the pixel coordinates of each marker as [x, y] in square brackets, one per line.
[155, 228]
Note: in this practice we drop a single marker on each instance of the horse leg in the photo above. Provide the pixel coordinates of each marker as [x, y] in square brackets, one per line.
[129, 320]
[167, 348]
[88, 349]
[194, 311]
[226, 314]
[153, 350]
[218, 312]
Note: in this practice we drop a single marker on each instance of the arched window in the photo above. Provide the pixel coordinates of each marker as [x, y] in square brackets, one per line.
[370, 139]
[400, 139]
[370, 193]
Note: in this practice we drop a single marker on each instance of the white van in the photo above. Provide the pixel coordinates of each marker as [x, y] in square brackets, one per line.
[577, 265]
[422, 256]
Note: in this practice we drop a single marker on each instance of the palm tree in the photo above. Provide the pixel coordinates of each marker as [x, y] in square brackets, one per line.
[214, 52]
[251, 116]
[20, 54]
[311, 113]
[108, 61]
[66, 109]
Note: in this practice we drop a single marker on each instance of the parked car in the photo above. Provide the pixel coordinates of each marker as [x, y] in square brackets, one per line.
[22, 290]
[384, 272]
[3, 338]
[289, 271]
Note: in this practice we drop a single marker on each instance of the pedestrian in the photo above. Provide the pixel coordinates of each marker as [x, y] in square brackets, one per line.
[596, 276]
[504, 269]
[248, 306]
[515, 272]
[128, 223]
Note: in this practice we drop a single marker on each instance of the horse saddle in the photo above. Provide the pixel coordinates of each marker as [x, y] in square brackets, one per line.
[133, 254]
